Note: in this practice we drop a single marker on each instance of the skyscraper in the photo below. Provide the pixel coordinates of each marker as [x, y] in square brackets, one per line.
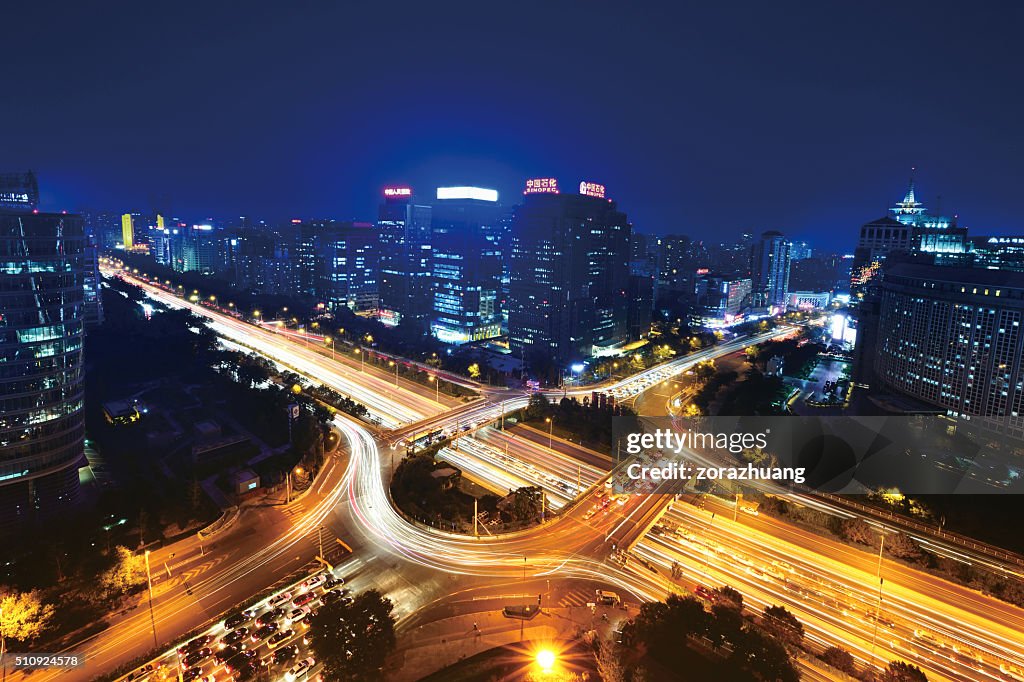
[769, 269]
[569, 270]
[346, 264]
[41, 323]
[954, 337]
[403, 233]
[465, 271]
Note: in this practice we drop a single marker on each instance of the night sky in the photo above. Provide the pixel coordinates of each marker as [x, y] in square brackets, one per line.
[712, 119]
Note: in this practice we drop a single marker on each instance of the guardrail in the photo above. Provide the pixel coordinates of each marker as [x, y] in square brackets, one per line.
[900, 520]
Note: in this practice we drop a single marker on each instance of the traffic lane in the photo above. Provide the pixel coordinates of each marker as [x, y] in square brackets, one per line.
[974, 602]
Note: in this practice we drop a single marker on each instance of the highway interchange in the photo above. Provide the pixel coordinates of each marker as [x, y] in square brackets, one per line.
[951, 632]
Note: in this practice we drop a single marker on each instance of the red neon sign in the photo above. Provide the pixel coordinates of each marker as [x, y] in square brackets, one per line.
[592, 189]
[541, 186]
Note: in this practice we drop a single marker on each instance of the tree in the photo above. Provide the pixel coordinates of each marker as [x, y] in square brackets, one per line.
[764, 657]
[901, 671]
[857, 530]
[23, 615]
[840, 659]
[783, 625]
[609, 663]
[127, 573]
[726, 624]
[901, 546]
[526, 505]
[353, 640]
[538, 406]
[730, 595]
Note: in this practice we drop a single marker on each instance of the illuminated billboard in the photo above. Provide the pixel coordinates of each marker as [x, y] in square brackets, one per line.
[398, 191]
[592, 189]
[541, 186]
[477, 193]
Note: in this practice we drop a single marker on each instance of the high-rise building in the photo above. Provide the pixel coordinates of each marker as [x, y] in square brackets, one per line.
[953, 337]
[909, 229]
[769, 269]
[569, 270]
[41, 325]
[800, 251]
[127, 231]
[403, 233]
[19, 191]
[346, 264]
[465, 270]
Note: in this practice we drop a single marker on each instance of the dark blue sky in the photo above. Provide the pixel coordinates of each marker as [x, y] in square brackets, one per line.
[708, 119]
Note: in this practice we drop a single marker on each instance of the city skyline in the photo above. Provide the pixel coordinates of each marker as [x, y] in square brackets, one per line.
[536, 341]
[179, 126]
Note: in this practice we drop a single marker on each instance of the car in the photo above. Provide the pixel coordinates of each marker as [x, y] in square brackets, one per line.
[300, 669]
[286, 653]
[297, 615]
[196, 657]
[243, 665]
[141, 673]
[280, 638]
[195, 645]
[303, 599]
[333, 582]
[228, 652]
[330, 597]
[315, 581]
[234, 637]
[279, 599]
[270, 616]
[264, 632]
[193, 675]
[240, 618]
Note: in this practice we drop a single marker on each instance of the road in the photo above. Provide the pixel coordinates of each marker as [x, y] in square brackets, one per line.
[417, 565]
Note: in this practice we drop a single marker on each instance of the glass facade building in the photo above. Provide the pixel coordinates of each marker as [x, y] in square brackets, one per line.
[42, 306]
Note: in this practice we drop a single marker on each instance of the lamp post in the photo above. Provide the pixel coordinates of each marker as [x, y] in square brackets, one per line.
[152, 618]
[362, 359]
[437, 389]
[329, 340]
[395, 365]
[551, 427]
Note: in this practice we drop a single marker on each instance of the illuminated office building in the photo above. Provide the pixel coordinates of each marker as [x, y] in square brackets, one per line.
[127, 231]
[41, 325]
[569, 288]
[403, 241]
[346, 264]
[953, 337]
[769, 270]
[465, 265]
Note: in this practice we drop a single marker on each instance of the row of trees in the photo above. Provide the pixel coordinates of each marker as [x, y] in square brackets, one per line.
[758, 647]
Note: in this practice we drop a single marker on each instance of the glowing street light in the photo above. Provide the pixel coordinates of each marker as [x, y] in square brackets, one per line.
[395, 365]
[329, 340]
[437, 389]
[551, 426]
[546, 660]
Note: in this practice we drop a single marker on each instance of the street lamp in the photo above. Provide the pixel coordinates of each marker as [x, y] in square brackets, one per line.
[551, 426]
[152, 618]
[362, 359]
[546, 660]
[437, 389]
[329, 340]
[395, 365]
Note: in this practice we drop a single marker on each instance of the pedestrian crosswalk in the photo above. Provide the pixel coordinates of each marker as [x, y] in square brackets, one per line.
[577, 597]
